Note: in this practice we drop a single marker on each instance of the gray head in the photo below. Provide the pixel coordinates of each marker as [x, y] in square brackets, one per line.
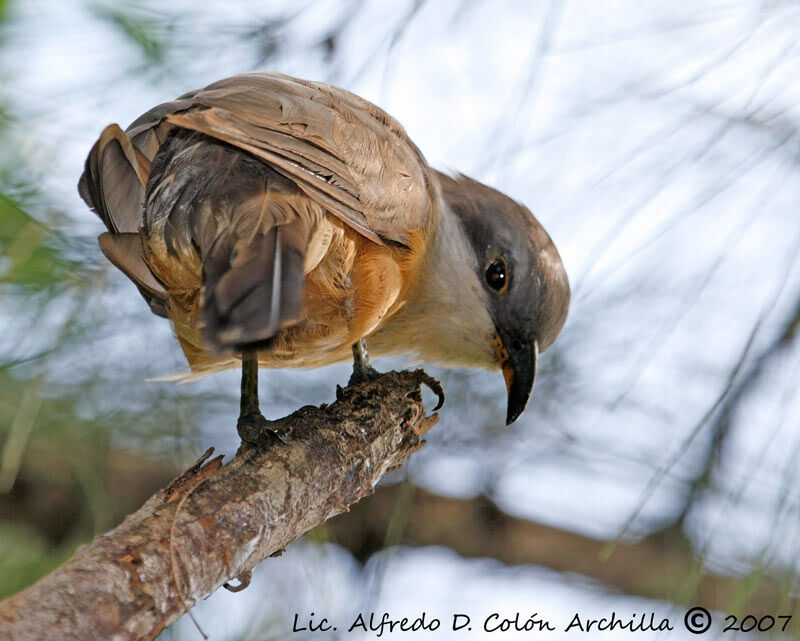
[520, 269]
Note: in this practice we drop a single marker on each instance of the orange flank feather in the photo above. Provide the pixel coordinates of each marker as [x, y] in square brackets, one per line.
[352, 286]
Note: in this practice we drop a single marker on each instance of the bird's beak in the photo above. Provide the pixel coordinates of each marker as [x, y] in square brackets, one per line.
[519, 364]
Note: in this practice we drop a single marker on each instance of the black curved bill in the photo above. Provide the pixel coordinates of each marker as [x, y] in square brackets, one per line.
[519, 369]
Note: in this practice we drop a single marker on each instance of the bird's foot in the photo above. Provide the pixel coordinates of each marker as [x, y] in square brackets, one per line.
[423, 378]
[363, 373]
[256, 430]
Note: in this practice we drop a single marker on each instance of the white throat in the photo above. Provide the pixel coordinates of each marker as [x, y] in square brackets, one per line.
[445, 320]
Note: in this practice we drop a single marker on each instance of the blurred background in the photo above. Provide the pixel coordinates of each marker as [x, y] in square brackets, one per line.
[657, 464]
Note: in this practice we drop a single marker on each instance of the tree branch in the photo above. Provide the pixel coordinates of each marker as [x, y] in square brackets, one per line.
[187, 541]
[654, 568]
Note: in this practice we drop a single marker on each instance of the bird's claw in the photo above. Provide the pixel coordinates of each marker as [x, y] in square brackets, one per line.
[423, 378]
[364, 373]
[244, 580]
[256, 430]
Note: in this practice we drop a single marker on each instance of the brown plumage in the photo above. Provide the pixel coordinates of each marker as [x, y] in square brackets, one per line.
[291, 218]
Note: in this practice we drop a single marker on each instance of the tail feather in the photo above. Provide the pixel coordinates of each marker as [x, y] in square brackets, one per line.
[249, 227]
[253, 286]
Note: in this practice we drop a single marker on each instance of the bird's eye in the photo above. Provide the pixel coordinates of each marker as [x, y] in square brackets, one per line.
[496, 274]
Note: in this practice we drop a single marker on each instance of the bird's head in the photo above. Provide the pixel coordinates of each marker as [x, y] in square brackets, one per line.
[525, 284]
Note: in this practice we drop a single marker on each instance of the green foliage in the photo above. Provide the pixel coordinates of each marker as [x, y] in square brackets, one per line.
[138, 29]
[34, 257]
[25, 555]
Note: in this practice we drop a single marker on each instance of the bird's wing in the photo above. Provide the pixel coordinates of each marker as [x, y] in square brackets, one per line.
[113, 185]
[343, 152]
[238, 171]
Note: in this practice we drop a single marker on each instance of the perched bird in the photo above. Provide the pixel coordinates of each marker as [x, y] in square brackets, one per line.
[279, 222]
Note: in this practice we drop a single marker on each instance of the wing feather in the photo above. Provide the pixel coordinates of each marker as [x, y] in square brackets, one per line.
[342, 151]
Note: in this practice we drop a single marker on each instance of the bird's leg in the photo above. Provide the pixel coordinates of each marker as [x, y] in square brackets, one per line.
[252, 426]
[362, 370]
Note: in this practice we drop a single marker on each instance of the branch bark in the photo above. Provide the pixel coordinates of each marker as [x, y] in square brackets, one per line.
[217, 522]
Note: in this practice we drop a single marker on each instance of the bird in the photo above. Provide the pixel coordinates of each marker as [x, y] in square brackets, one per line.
[279, 222]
